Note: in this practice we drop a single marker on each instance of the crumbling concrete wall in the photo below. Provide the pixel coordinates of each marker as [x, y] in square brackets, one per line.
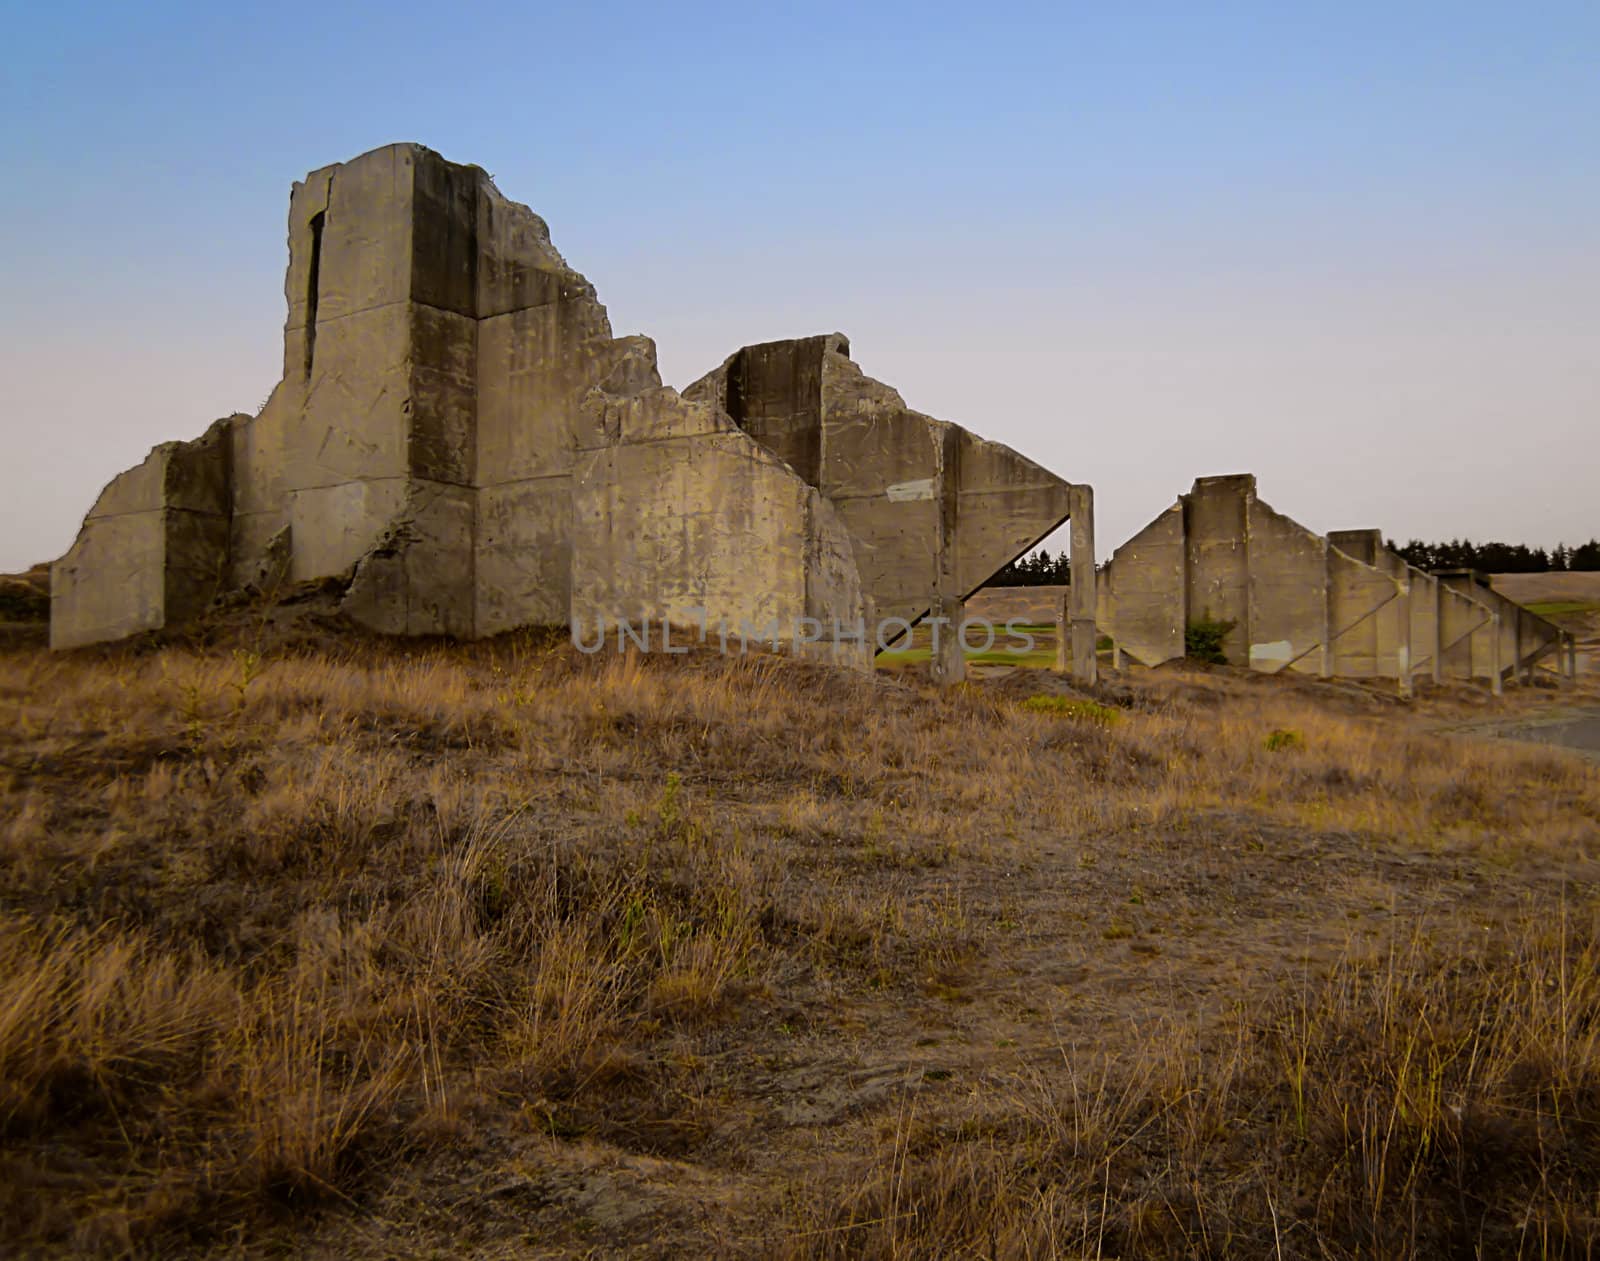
[932, 511]
[436, 354]
[460, 438]
[153, 549]
[681, 517]
[440, 361]
[1345, 604]
[350, 444]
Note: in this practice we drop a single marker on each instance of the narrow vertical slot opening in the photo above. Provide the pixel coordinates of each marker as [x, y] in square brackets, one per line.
[313, 283]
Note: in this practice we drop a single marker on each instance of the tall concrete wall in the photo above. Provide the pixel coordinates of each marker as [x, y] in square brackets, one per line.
[1345, 604]
[458, 435]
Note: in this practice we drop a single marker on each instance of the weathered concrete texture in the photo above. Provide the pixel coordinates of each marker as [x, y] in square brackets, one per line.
[1397, 638]
[1344, 604]
[1145, 585]
[932, 511]
[458, 435]
[153, 549]
[681, 517]
[1497, 637]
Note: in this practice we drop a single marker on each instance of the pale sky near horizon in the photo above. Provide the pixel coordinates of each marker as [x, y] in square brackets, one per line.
[1352, 248]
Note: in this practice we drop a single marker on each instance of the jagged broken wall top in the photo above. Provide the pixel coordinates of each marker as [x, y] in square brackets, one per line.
[436, 356]
[932, 509]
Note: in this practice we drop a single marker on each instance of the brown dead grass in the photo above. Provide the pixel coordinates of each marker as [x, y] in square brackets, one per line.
[1422, 1103]
[505, 948]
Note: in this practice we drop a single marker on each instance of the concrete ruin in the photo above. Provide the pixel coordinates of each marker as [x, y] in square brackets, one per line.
[931, 508]
[1344, 604]
[459, 437]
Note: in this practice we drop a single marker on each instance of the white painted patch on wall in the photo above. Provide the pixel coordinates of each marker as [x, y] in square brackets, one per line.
[1279, 650]
[900, 492]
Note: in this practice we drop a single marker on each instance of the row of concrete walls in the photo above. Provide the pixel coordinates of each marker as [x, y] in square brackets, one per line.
[1344, 604]
[1447, 625]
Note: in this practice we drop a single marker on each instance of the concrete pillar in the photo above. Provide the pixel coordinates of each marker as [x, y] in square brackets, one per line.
[1438, 631]
[948, 663]
[1472, 654]
[1497, 681]
[1517, 671]
[1085, 665]
[1572, 656]
[1328, 662]
[1402, 646]
[1063, 633]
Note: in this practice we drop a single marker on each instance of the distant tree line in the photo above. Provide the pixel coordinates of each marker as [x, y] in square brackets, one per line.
[1500, 558]
[1040, 569]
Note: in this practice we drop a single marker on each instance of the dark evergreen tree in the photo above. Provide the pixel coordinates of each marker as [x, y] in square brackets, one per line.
[1039, 569]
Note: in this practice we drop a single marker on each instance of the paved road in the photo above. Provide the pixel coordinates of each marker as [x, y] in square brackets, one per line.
[1576, 730]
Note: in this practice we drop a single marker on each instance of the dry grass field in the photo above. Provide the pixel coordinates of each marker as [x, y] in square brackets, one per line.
[345, 948]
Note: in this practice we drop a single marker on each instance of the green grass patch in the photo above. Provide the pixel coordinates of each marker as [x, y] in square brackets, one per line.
[1071, 707]
[21, 602]
[1038, 659]
[1547, 608]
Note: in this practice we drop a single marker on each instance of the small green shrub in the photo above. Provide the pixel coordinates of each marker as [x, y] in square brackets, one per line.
[1279, 741]
[1202, 641]
[22, 602]
[1069, 707]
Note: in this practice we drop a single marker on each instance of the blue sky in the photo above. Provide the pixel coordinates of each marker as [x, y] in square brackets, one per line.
[1354, 249]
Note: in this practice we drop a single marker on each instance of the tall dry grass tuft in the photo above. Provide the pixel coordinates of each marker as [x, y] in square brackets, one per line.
[1426, 1102]
[306, 1097]
[90, 1022]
